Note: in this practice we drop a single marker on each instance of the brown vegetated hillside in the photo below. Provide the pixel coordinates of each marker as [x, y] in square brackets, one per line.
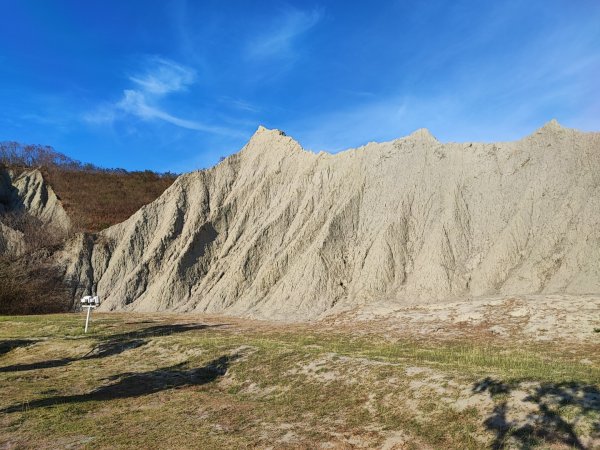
[93, 197]
[95, 200]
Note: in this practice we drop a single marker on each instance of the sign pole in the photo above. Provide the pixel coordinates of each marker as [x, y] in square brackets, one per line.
[87, 319]
[89, 302]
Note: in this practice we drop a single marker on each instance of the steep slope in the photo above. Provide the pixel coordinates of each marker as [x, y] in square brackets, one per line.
[11, 241]
[278, 232]
[29, 192]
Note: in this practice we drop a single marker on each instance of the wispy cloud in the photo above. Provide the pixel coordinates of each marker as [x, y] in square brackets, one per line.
[163, 77]
[239, 104]
[135, 103]
[279, 38]
[159, 78]
[489, 99]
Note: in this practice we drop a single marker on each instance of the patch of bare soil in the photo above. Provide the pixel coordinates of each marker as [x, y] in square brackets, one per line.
[539, 318]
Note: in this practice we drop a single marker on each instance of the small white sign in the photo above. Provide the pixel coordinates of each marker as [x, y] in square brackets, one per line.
[89, 302]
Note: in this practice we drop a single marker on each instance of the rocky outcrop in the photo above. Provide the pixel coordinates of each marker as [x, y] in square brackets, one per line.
[28, 192]
[277, 232]
[11, 241]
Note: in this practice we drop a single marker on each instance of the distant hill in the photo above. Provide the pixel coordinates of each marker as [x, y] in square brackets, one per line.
[95, 200]
[93, 197]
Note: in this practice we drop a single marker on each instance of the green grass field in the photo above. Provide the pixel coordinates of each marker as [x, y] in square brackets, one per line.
[167, 381]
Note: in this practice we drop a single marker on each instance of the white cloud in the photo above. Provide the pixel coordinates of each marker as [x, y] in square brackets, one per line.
[134, 103]
[160, 78]
[102, 114]
[278, 41]
[239, 104]
[163, 77]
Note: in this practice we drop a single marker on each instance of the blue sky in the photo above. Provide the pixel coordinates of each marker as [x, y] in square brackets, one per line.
[174, 85]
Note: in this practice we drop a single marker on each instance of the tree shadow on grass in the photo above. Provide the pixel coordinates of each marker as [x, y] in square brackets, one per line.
[161, 330]
[102, 350]
[7, 346]
[549, 422]
[130, 385]
[116, 344]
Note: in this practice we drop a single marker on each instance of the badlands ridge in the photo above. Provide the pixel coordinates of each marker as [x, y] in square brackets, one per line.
[278, 232]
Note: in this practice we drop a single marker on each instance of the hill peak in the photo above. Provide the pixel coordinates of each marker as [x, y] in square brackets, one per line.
[422, 134]
[552, 125]
[261, 130]
[269, 141]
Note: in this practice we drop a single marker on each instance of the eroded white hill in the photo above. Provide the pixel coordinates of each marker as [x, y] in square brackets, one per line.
[278, 232]
[28, 193]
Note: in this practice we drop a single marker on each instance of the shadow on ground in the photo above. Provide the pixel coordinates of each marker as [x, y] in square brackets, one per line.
[114, 345]
[130, 385]
[7, 346]
[559, 407]
[161, 330]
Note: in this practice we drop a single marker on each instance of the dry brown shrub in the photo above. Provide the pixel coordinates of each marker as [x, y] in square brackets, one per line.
[36, 234]
[29, 282]
[31, 288]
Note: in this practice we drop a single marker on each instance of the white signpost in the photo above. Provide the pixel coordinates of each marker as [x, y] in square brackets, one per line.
[89, 302]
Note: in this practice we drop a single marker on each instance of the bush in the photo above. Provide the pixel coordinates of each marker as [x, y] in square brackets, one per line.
[36, 235]
[36, 288]
[29, 282]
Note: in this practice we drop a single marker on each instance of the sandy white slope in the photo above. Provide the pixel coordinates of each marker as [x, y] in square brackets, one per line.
[28, 192]
[275, 231]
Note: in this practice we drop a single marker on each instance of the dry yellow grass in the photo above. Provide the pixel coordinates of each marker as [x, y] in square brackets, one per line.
[168, 381]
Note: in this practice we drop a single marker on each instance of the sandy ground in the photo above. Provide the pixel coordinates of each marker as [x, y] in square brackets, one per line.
[529, 317]
[142, 367]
